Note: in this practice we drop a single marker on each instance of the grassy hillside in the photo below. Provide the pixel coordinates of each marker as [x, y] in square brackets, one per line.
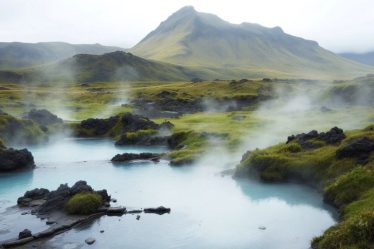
[196, 39]
[342, 170]
[15, 55]
[115, 66]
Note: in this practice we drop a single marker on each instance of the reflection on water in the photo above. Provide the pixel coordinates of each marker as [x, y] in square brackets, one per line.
[208, 211]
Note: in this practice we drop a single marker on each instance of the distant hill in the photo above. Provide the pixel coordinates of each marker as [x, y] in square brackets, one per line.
[115, 66]
[15, 55]
[364, 58]
[195, 39]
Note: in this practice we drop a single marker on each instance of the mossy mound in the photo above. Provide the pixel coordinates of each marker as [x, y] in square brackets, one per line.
[20, 131]
[347, 182]
[186, 147]
[84, 203]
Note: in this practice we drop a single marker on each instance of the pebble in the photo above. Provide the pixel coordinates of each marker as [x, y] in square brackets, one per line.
[90, 241]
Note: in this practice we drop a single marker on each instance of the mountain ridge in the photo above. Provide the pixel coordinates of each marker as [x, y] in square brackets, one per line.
[196, 39]
[15, 55]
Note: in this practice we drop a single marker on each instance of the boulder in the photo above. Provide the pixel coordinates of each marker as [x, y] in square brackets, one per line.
[12, 159]
[99, 126]
[334, 136]
[131, 122]
[25, 234]
[359, 148]
[126, 157]
[159, 210]
[43, 117]
[56, 200]
[80, 186]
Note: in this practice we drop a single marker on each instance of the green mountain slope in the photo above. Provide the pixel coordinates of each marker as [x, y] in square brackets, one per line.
[196, 39]
[115, 66]
[15, 55]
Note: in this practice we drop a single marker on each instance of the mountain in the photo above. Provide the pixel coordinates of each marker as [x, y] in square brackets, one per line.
[195, 39]
[15, 55]
[115, 66]
[364, 58]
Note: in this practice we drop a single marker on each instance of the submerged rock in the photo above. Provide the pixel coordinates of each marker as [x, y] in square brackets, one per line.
[90, 241]
[25, 234]
[12, 159]
[159, 210]
[359, 148]
[126, 157]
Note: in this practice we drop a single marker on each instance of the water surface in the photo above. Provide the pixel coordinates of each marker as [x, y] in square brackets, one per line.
[208, 210]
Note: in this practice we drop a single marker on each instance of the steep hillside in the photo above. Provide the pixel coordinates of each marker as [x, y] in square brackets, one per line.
[17, 55]
[364, 58]
[191, 38]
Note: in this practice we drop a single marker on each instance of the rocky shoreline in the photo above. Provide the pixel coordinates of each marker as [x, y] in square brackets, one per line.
[53, 206]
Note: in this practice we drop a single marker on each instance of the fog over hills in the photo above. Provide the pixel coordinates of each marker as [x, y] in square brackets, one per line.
[18, 55]
[364, 58]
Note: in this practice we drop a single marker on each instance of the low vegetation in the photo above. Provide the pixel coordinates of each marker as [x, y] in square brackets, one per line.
[84, 203]
[343, 171]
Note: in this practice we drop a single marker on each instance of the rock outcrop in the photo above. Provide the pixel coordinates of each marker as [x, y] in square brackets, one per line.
[358, 148]
[12, 159]
[46, 201]
[333, 136]
[127, 157]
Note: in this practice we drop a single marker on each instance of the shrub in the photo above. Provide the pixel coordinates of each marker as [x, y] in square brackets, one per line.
[355, 233]
[84, 203]
[349, 187]
[291, 147]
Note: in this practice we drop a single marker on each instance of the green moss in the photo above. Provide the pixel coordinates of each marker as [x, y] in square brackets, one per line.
[349, 187]
[355, 233]
[346, 185]
[20, 131]
[187, 147]
[84, 203]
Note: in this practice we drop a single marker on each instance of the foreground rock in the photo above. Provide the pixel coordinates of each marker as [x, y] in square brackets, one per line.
[159, 210]
[44, 201]
[12, 159]
[24, 234]
[308, 140]
[358, 148]
[127, 157]
[43, 117]
[90, 241]
[54, 207]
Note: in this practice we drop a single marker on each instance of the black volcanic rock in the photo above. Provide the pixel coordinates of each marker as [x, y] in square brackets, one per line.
[333, 136]
[359, 148]
[12, 159]
[126, 157]
[46, 201]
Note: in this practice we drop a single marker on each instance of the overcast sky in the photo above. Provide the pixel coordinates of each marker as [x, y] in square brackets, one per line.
[338, 25]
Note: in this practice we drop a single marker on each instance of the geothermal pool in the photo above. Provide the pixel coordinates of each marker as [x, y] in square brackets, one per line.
[207, 209]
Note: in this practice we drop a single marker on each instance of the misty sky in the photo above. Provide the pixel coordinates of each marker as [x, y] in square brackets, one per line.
[338, 25]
